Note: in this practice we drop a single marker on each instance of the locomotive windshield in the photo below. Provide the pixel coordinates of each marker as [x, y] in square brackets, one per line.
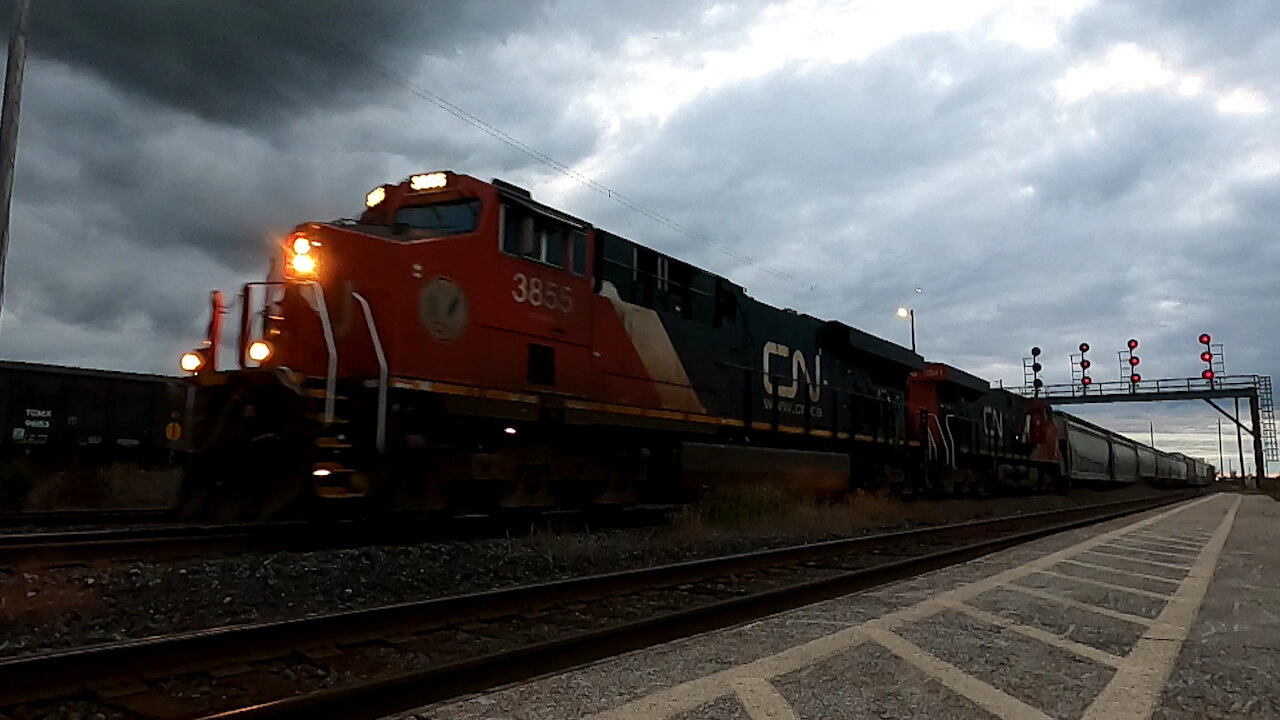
[441, 219]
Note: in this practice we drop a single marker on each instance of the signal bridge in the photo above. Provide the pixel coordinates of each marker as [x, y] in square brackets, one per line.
[1255, 388]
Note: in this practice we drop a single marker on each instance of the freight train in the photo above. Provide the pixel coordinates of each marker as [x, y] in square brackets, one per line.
[462, 345]
[57, 419]
[67, 411]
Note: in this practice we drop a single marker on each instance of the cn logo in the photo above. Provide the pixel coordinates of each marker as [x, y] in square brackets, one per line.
[799, 369]
[993, 421]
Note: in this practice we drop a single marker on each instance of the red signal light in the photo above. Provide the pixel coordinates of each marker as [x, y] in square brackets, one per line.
[1085, 364]
[1084, 347]
[1207, 374]
[1135, 378]
[1206, 356]
[1205, 339]
[1086, 380]
[1134, 361]
[1133, 344]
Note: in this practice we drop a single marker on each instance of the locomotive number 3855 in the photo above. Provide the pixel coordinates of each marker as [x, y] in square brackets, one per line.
[541, 293]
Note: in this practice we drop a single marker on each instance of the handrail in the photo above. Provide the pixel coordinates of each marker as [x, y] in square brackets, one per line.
[383, 380]
[946, 447]
[952, 438]
[331, 379]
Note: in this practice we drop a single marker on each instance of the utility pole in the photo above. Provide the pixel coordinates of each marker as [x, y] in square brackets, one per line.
[1240, 439]
[9, 124]
[1152, 428]
[1220, 465]
[1259, 458]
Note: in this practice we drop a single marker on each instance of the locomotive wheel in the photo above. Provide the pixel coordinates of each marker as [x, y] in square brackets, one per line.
[207, 497]
[244, 474]
[195, 495]
[947, 484]
[279, 480]
[251, 484]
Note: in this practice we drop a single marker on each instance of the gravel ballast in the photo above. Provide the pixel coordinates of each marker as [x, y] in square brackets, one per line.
[52, 608]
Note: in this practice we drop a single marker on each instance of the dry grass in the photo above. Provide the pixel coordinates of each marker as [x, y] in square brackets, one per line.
[770, 512]
[751, 518]
[110, 486]
[773, 512]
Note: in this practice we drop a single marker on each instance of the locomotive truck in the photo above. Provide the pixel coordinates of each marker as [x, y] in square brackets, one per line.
[461, 345]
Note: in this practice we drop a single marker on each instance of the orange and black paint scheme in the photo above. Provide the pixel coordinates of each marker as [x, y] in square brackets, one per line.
[978, 438]
[461, 345]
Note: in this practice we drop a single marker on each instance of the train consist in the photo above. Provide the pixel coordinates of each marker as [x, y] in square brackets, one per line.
[1095, 454]
[462, 345]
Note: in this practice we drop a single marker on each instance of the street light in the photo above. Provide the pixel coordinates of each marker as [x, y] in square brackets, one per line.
[905, 313]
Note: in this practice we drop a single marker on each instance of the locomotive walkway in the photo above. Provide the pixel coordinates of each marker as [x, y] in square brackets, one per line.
[1170, 614]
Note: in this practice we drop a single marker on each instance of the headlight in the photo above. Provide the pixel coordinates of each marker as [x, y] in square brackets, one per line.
[259, 350]
[303, 264]
[429, 181]
[191, 362]
[375, 196]
[301, 245]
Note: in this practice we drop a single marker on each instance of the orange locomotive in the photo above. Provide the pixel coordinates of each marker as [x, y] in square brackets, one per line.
[462, 345]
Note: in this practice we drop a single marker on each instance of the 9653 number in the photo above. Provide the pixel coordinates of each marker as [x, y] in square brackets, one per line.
[539, 293]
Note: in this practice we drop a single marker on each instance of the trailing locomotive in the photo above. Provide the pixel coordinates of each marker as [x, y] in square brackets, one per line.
[460, 344]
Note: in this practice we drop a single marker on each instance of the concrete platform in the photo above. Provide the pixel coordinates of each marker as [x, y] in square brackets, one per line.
[1169, 614]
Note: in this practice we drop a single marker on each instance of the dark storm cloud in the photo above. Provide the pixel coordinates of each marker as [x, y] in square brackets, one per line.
[1132, 145]
[166, 147]
[1228, 37]
[955, 167]
[152, 172]
[255, 60]
[814, 171]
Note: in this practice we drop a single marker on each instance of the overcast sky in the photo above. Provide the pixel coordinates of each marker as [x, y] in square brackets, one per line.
[1045, 172]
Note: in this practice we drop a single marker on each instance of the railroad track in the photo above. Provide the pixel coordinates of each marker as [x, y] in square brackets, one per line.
[369, 663]
[51, 548]
[81, 516]
[155, 541]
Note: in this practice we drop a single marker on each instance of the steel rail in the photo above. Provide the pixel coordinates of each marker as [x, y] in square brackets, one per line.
[62, 673]
[170, 540]
[51, 548]
[74, 516]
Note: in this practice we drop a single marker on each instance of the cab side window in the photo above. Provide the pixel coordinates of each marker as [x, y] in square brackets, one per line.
[726, 305]
[578, 252]
[543, 240]
[614, 260]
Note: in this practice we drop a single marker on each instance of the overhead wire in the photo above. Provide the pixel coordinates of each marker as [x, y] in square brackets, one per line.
[565, 170]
